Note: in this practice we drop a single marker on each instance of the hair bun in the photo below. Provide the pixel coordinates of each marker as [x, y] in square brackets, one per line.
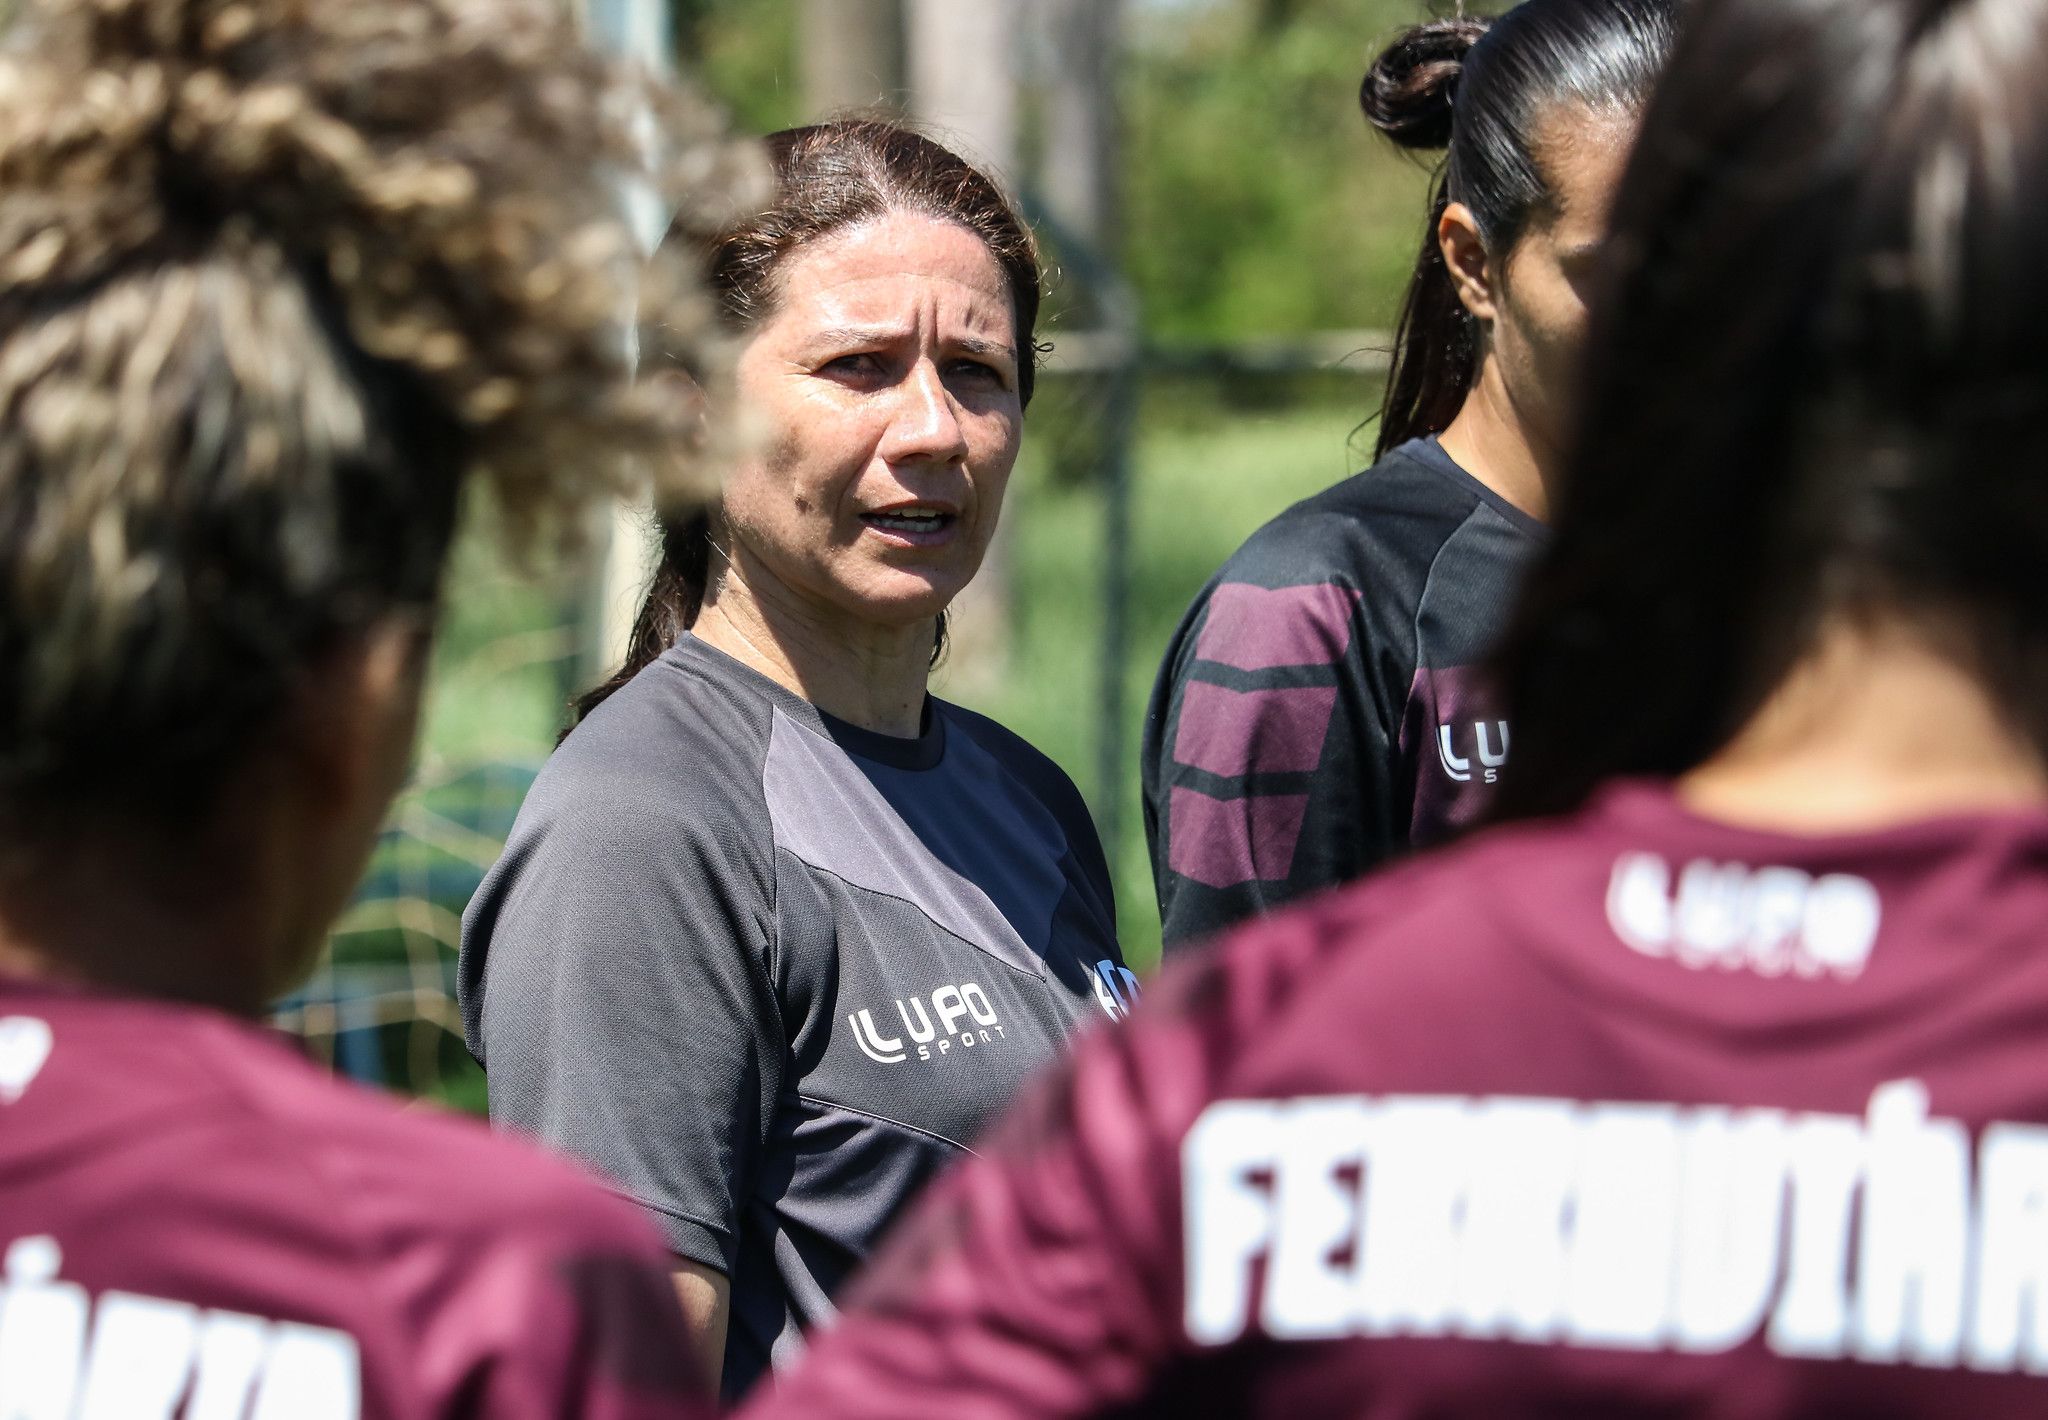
[1408, 92]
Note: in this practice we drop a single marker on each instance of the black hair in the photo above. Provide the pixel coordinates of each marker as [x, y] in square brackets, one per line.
[1820, 376]
[1479, 89]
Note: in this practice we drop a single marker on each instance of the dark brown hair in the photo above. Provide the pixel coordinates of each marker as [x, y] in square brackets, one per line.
[276, 280]
[1478, 89]
[828, 177]
[1821, 381]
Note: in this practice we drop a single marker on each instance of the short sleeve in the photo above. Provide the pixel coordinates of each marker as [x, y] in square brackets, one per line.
[619, 989]
[1268, 761]
[1085, 841]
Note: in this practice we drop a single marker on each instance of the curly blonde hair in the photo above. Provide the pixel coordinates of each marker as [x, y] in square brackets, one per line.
[278, 278]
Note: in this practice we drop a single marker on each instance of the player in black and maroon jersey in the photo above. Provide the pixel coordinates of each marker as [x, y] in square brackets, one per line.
[277, 280]
[1318, 711]
[1713, 1085]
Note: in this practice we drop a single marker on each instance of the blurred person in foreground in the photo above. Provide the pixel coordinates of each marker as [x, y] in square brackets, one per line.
[777, 930]
[1317, 712]
[278, 283]
[1711, 1083]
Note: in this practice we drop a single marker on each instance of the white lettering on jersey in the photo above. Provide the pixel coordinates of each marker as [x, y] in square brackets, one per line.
[1631, 1226]
[129, 1357]
[959, 1017]
[25, 1043]
[1489, 747]
[2009, 1298]
[1768, 920]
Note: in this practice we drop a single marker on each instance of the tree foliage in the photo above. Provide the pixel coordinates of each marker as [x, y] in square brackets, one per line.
[746, 52]
[1257, 200]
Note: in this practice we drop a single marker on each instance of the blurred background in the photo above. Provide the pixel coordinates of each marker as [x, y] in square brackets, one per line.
[1227, 245]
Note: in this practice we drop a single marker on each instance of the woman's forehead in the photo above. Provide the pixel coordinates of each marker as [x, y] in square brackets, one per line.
[898, 256]
[1583, 152]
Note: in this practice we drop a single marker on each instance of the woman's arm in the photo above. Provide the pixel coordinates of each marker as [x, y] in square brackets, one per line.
[706, 1295]
[616, 976]
[1266, 757]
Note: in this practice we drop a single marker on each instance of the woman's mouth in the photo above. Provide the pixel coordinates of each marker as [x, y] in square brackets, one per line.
[913, 525]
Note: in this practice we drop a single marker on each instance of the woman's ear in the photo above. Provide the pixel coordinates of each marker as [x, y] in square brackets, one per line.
[1472, 274]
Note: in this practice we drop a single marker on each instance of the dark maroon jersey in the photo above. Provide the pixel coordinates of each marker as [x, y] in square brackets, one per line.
[195, 1222]
[1318, 712]
[1629, 1114]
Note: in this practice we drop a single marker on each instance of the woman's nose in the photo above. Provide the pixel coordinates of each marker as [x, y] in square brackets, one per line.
[925, 425]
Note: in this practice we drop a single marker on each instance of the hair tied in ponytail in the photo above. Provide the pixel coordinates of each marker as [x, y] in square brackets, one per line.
[1503, 77]
[1410, 92]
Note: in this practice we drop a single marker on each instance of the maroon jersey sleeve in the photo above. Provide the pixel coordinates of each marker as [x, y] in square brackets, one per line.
[1043, 1277]
[1267, 754]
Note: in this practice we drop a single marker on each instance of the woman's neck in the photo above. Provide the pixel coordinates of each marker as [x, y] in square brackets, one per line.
[869, 675]
[61, 925]
[1490, 440]
[1874, 728]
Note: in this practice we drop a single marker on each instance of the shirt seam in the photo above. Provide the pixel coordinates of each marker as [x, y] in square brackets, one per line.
[776, 959]
[775, 955]
[1428, 582]
[1483, 497]
[920, 910]
[907, 1128]
[722, 1233]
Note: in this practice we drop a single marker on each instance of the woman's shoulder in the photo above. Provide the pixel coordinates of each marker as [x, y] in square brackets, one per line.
[1023, 760]
[1413, 497]
[1041, 777]
[674, 741]
[1337, 535]
[1009, 748]
[1374, 540]
[687, 694]
[1434, 918]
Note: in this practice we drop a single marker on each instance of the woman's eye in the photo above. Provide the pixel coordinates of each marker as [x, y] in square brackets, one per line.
[977, 371]
[852, 365]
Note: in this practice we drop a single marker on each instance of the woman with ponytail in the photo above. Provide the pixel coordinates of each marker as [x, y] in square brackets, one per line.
[1317, 711]
[1712, 1084]
[777, 929]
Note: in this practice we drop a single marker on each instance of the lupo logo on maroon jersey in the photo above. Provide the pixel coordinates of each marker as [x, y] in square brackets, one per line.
[1489, 740]
[1770, 920]
[960, 1017]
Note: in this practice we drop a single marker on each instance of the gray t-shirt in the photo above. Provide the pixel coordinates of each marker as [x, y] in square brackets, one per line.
[770, 971]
